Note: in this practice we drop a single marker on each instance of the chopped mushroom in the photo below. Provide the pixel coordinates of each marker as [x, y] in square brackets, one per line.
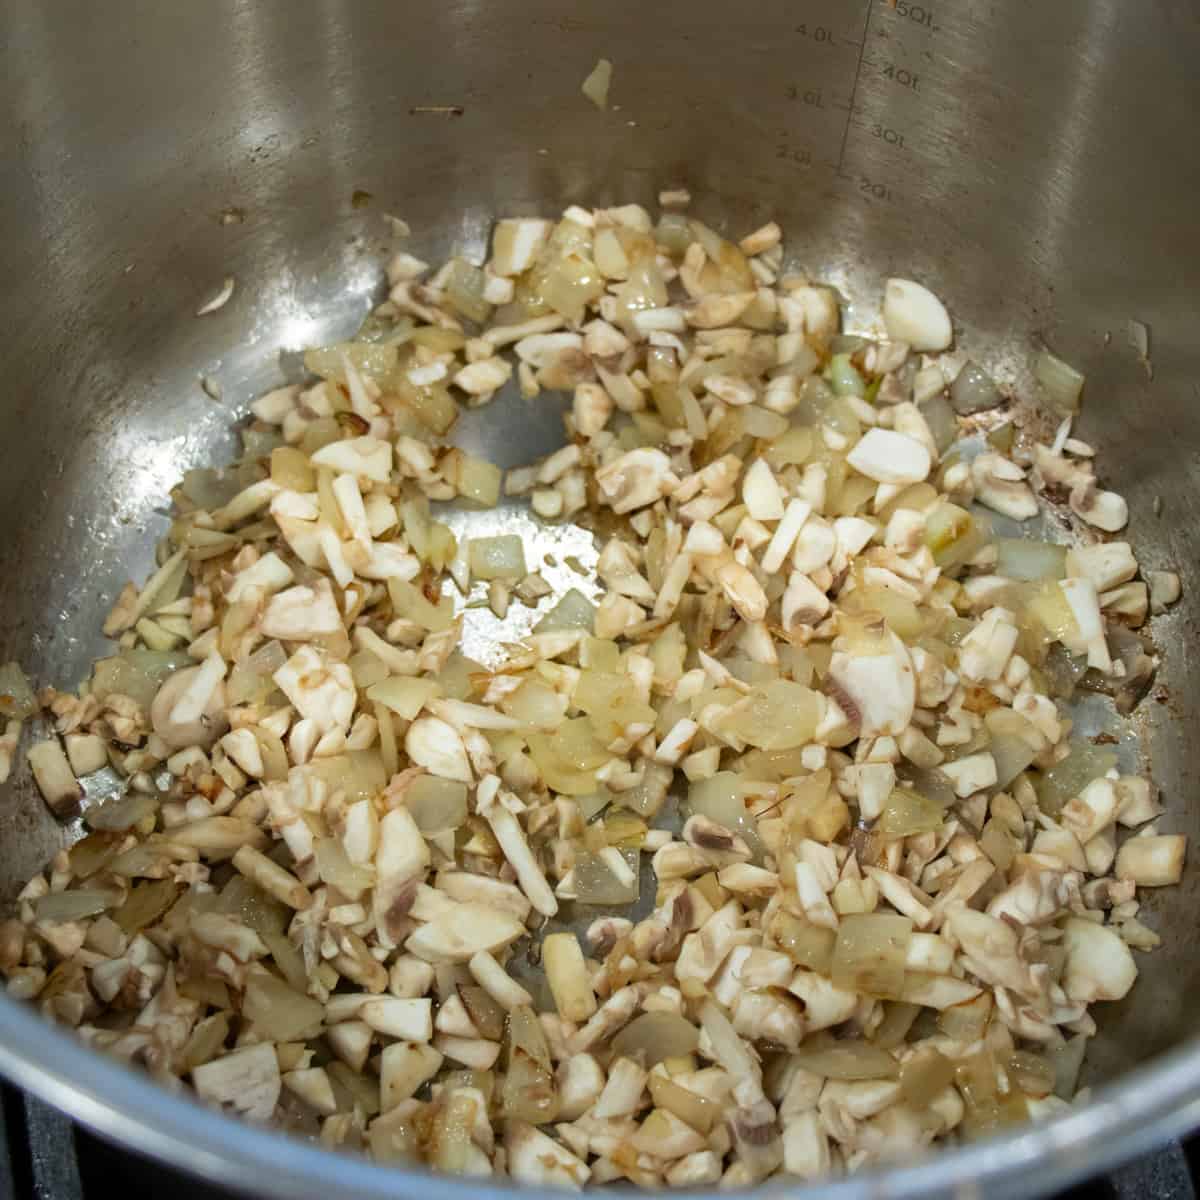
[808, 691]
[55, 779]
[913, 314]
[247, 1080]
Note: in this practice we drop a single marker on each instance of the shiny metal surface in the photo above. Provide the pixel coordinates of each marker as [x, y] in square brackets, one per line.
[1036, 164]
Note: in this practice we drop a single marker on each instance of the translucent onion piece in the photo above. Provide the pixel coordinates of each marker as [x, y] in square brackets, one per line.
[932, 784]
[373, 361]
[593, 805]
[924, 1075]
[850, 1058]
[568, 758]
[844, 377]
[723, 799]
[1048, 606]
[335, 868]
[94, 852]
[595, 882]
[898, 1019]
[647, 797]
[288, 959]
[1031, 1073]
[907, 812]
[870, 953]
[973, 390]
[1068, 778]
[291, 468]
[939, 416]
[252, 680]
[612, 701]
[693, 1109]
[137, 673]
[1025, 559]
[252, 906]
[901, 613]
[528, 1092]
[497, 557]
[535, 704]
[953, 534]
[573, 611]
[595, 86]
[436, 804]
[1012, 754]
[655, 1036]
[464, 290]
[358, 774]
[570, 284]
[76, 905]
[776, 716]
[278, 1011]
[145, 904]
[405, 695]
[1061, 384]
[122, 813]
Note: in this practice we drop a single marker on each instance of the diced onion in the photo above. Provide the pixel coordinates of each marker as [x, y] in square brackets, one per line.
[973, 390]
[1061, 384]
[529, 1092]
[376, 361]
[595, 86]
[939, 416]
[1068, 778]
[1025, 559]
[1013, 755]
[690, 1107]
[1031, 1073]
[358, 774]
[655, 1036]
[278, 1011]
[932, 784]
[844, 377]
[497, 557]
[251, 681]
[436, 804]
[595, 882]
[810, 945]
[870, 953]
[723, 799]
[924, 1075]
[137, 673]
[145, 903]
[568, 758]
[464, 290]
[122, 813]
[288, 959]
[573, 611]
[247, 902]
[906, 812]
[849, 1059]
[75, 905]
[776, 716]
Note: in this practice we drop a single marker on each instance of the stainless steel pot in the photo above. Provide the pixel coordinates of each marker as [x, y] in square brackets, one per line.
[1036, 164]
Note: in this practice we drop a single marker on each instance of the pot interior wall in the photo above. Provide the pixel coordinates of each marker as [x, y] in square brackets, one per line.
[1036, 165]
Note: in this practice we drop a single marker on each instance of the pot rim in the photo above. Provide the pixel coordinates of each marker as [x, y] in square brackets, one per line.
[1151, 1105]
